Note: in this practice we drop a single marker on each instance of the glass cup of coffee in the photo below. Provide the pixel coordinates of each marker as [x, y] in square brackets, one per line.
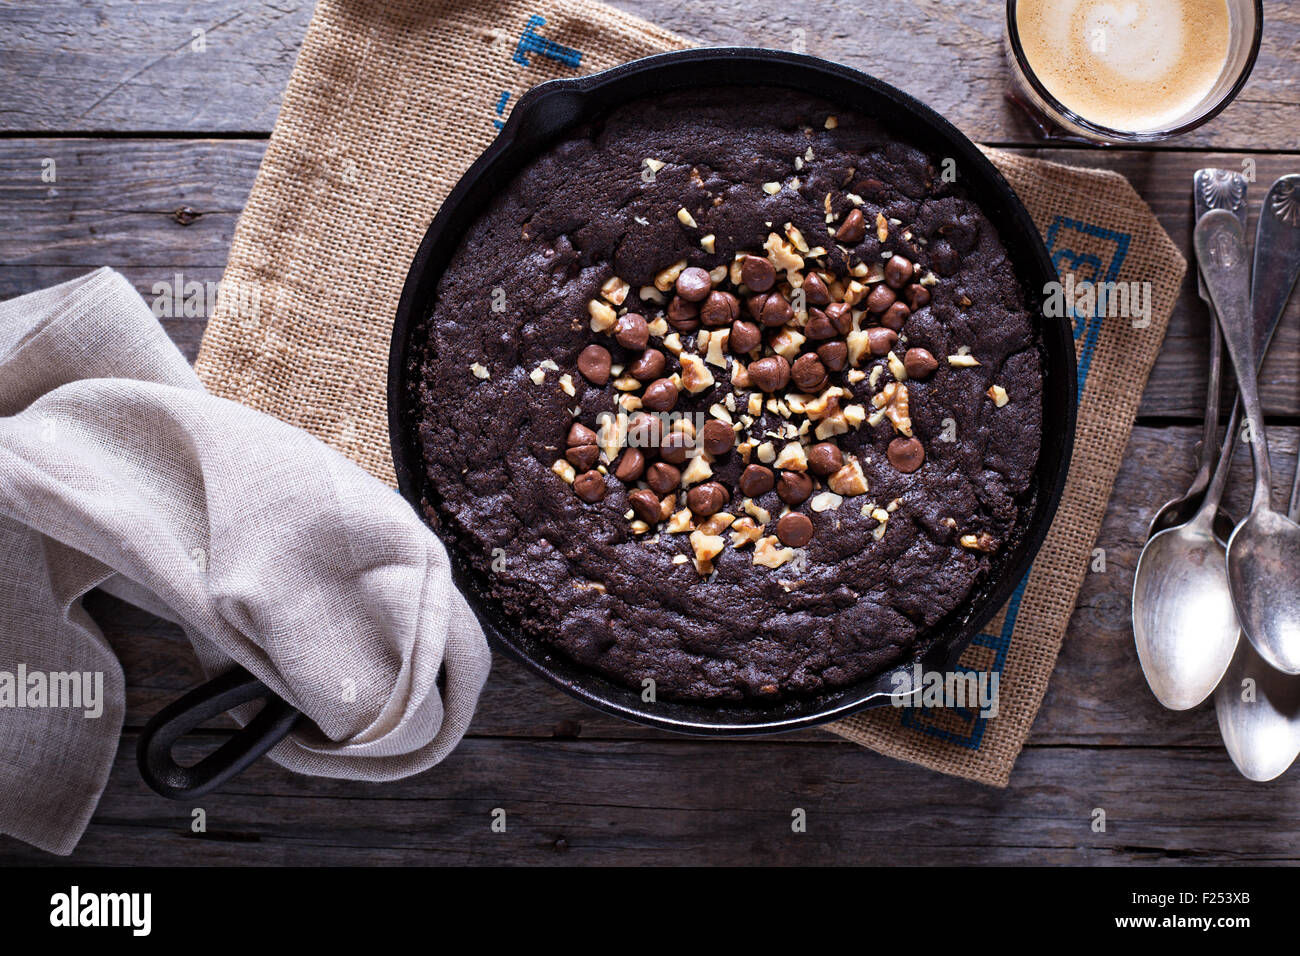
[1128, 71]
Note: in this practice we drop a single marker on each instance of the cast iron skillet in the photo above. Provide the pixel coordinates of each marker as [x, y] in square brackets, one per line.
[541, 117]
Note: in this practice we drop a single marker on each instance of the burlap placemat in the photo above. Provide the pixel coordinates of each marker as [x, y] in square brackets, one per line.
[390, 102]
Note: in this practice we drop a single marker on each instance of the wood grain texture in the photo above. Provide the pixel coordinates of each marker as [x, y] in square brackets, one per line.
[118, 203]
[130, 64]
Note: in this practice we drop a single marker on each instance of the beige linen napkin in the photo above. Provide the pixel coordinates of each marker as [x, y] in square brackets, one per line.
[117, 470]
[388, 105]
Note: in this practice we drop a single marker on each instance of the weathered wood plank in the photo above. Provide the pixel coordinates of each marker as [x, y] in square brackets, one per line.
[129, 65]
[672, 802]
[115, 203]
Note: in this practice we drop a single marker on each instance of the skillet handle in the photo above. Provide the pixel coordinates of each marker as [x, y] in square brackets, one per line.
[237, 686]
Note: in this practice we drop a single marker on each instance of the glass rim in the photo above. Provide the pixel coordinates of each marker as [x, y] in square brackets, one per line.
[1022, 61]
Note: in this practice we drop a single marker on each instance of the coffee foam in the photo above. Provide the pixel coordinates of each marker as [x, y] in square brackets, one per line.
[1134, 65]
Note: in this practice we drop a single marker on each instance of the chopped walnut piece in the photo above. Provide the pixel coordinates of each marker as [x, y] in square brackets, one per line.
[781, 254]
[744, 531]
[716, 353]
[615, 290]
[833, 424]
[564, 470]
[786, 343]
[757, 511]
[718, 523]
[896, 368]
[962, 360]
[893, 401]
[998, 394]
[826, 501]
[698, 470]
[796, 237]
[858, 346]
[685, 218]
[882, 227]
[978, 542]
[665, 280]
[666, 507]
[769, 553]
[679, 522]
[611, 435]
[792, 458]
[603, 317]
[696, 376]
[708, 244]
[706, 548]
[849, 480]
[479, 371]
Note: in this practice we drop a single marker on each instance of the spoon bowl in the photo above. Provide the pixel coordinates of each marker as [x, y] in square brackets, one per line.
[1264, 575]
[1259, 715]
[1183, 620]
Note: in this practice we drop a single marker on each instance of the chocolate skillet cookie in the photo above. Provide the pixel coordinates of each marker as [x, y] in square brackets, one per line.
[731, 391]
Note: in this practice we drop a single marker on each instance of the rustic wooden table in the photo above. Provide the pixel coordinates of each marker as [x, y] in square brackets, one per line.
[156, 145]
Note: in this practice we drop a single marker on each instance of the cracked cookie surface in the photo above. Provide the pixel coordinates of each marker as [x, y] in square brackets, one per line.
[500, 379]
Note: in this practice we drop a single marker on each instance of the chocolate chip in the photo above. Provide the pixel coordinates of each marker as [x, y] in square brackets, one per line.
[776, 311]
[756, 480]
[819, 327]
[881, 340]
[631, 332]
[758, 274]
[920, 363]
[663, 477]
[794, 487]
[853, 229]
[674, 447]
[594, 364]
[645, 505]
[717, 437]
[693, 284]
[841, 317]
[895, 316]
[794, 530]
[683, 315]
[589, 486]
[814, 290]
[834, 355]
[905, 454]
[754, 305]
[580, 434]
[825, 459]
[707, 499]
[898, 272]
[660, 395]
[808, 372]
[881, 298]
[745, 337]
[643, 431]
[583, 457]
[649, 366]
[719, 309]
[770, 374]
[631, 466]
[918, 296]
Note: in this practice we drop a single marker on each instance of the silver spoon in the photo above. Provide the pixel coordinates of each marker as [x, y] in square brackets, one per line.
[1184, 625]
[1211, 189]
[1260, 720]
[1259, 707]
[1264, 550]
